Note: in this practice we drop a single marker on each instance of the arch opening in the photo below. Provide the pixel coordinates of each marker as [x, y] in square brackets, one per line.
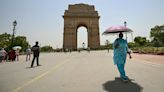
[82, 37]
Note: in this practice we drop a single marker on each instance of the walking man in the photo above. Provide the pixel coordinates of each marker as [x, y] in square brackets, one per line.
[36, 51]
[120, 51]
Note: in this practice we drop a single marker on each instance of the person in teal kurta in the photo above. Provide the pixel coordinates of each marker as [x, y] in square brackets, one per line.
[120, 51]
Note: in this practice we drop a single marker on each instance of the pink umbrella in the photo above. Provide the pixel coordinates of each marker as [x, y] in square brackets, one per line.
[117, 29]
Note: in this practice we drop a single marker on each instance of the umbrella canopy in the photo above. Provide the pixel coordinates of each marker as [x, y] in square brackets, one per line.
[117, 29]
[17, 47]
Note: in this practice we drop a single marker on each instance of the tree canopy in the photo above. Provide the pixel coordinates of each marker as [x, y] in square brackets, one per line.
[141, 41]
[5, 41]
[157, 35]
[21, 41]
[46, 49]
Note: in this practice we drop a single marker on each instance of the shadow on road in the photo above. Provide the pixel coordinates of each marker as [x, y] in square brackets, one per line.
[118, 85]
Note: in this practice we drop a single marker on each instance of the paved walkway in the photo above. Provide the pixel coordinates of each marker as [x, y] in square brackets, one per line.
[80, 72]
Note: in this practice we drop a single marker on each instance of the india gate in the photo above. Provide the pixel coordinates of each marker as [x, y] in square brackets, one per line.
[76, 16]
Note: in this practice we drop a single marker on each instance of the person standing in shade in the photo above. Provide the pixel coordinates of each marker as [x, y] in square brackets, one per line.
[120, 52]
[36, 52]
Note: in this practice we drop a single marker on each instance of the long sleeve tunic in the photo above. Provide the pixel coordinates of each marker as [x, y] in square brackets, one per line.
[120, 51]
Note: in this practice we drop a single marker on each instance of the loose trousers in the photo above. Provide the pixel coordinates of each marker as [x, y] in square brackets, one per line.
[121, 70]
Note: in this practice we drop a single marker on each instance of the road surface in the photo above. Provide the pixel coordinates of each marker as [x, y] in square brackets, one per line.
[80, 72]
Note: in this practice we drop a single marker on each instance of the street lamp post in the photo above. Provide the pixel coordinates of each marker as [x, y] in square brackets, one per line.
[107, 45]
[14, 24]
[125, 24]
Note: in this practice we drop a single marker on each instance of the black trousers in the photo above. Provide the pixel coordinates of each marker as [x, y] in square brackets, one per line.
[37, 60]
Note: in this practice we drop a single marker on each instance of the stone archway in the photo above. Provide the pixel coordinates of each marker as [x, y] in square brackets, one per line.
[76, 16]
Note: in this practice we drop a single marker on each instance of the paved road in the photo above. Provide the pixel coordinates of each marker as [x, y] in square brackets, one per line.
[84, 72]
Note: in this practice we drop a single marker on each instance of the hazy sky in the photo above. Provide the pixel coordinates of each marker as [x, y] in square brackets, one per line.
[41, 20]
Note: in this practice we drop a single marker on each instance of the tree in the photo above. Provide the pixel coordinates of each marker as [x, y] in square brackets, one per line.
[21, 41]
[5, 41]
[46, 49]
[131, 45]
[140, 41]
[157, 35]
